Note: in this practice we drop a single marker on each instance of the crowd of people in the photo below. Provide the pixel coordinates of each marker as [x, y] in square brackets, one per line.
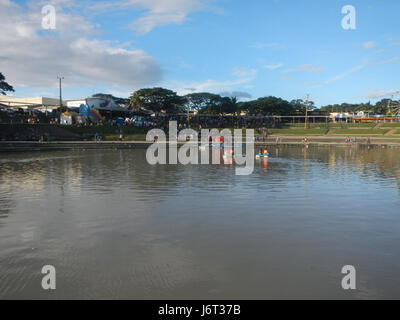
[355, 140]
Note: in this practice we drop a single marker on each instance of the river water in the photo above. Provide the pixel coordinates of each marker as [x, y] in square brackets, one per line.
[115, 227]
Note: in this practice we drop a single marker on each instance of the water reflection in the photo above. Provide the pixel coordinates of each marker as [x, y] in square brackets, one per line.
[116, 227]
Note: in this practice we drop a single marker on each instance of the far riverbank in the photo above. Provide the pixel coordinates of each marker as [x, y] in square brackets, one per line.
[28, 146]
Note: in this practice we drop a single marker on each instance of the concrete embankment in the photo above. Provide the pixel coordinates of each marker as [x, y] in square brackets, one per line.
[25, 132]
[21, 146]
[336, 140]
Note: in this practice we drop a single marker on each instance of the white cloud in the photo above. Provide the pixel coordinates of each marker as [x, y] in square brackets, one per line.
[33, 57]
[264, 45]
[244, 72]
[237, 94]
[243, 77]
[274, 66]
[378, 94]
[286, 78]
[338, 77]
[305, 68]
[210, 85]
[369, 44]
[394, 59]
[158, 12]
[354, 69]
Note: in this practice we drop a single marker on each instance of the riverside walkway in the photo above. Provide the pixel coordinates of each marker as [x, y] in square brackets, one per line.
[25, 146]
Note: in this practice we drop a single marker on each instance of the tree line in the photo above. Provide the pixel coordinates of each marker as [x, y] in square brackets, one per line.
[168, 101]
[164, 100]
[4, 86]
[381, 107]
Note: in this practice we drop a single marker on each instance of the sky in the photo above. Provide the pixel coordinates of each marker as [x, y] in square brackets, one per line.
[247, 49]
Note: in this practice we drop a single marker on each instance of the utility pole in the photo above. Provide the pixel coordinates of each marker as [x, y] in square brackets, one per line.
[188, 114]
[60, 78]
[306, 121]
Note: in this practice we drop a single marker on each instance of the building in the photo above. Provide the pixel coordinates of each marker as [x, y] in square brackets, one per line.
[98, 103]
[28, 103]
[340, 117]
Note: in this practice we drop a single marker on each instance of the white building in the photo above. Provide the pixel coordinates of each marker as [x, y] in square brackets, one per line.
[95, 103]
[26, 103]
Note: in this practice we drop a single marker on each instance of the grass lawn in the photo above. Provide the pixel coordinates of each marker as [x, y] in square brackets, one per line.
[329, 125]
[391, 125]
[298, 132]
[128, 137]
[362, 132]
[104, 130]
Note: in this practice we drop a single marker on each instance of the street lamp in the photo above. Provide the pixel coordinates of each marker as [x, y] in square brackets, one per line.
[60, 78]
[188, 112]
[306, 121]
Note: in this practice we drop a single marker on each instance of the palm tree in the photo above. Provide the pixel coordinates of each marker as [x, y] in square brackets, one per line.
[4, 86]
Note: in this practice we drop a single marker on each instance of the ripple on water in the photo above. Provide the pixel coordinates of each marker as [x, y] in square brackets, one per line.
[116, 227]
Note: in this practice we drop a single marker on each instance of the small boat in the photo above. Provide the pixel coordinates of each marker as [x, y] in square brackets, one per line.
[228, 154]
[205, 147]
[228, 157]
[262, 155]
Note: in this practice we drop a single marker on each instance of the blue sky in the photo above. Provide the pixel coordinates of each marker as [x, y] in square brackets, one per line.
[283, 48]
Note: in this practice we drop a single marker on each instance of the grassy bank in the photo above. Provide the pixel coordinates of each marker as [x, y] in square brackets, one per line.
[27, 132]
[298, 132]
[360, 132]
[337, 129]
[129, 137]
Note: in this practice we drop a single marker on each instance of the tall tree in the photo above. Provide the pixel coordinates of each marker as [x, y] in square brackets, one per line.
[299, 105]
[229, 105]
[120, 101]
[157, 100]
[203, 100]
[383, 106]
[271, 106]
[4, 86]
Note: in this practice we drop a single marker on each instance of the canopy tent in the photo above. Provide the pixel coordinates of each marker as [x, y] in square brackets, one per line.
[68, 118]
[89, 113]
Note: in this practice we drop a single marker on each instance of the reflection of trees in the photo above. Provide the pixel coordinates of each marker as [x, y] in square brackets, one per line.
[33, 175]
[18, 178]
[109, 171]
[6, 204]
[112, 169]
[373, 161]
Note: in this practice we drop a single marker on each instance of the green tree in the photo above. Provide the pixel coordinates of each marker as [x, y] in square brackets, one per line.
[229, 105]
[268, 106]
[157, 100]
[382, 107]
[273, 106]
[203, 101]
[117, 100]
[234, 106]
[299, 105]
[4, 86]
